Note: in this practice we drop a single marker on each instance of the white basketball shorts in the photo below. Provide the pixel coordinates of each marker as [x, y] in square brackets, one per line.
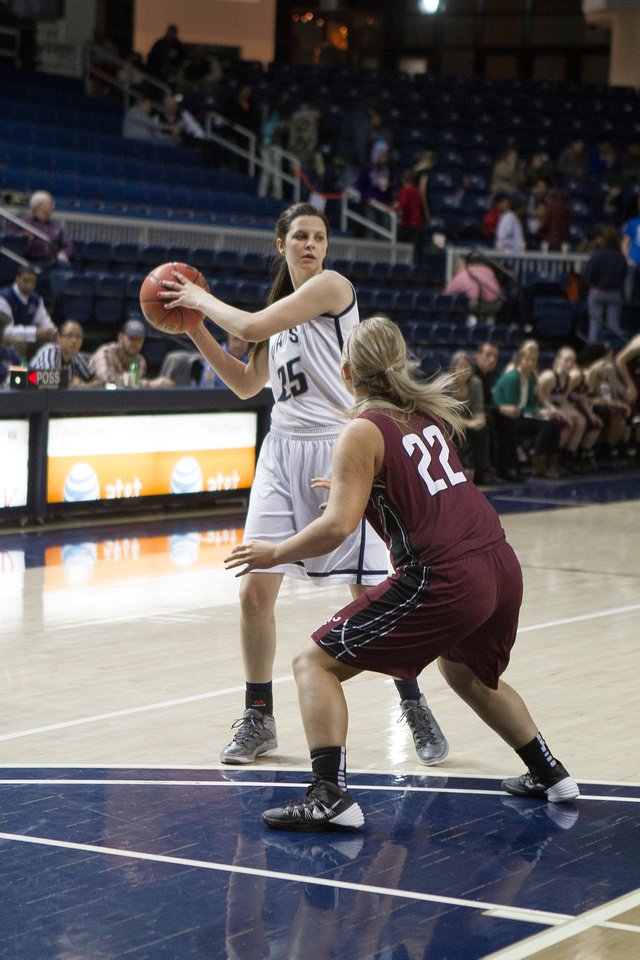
[282, 502]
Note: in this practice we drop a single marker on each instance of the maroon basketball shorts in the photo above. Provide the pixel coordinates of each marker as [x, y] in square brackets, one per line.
[465, 611]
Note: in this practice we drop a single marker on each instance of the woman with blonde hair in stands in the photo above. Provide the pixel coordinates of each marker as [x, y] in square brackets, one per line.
[553, 389]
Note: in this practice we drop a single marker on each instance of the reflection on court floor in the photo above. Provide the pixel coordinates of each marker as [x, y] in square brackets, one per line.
[175, 863]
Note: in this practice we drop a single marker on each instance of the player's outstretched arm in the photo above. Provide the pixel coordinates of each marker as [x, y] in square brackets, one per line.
[327, 292]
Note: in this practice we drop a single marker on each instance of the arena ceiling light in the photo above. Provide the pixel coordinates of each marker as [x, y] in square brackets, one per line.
[428, 6]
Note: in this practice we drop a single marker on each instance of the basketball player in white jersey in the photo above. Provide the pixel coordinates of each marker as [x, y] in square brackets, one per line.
[298, 341]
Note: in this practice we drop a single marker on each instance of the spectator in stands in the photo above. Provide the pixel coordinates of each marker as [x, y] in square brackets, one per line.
[603, 160]
[410, 211]
[8, 356]
[536, 208]
[303, 133]
[200, 73]
[64, 355]
[57, 248]
[353, 139]
[375, 181]
[28, 324]
[553, 389]
[477, 281]
[423, 168]
[491, 218]
[167, 55]
[111, 362]
[177, 123]
[555, 224]
[507, 175]
[605, 276]
[519, 420]
[572, 162]
[620, 202]
[485, 369]
[509, 232]
[468, 389]
[631, 250]
[538, 168]
[141, 123]
[274, 133]
[235, 347]
[242, 109]
[628, 363]
[609, 391]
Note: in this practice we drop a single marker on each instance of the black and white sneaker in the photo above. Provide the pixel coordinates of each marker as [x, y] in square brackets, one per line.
[325, 807]
[526, 786]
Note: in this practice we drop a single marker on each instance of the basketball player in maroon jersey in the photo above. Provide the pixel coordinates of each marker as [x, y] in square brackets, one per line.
[454, 596]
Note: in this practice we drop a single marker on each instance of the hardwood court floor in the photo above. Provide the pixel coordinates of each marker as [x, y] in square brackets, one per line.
[121, 677]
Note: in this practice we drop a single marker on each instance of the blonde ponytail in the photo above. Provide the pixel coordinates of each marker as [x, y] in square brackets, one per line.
[377, 354]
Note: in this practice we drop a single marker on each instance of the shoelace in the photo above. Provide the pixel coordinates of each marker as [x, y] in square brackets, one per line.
[423, 728]
[249, 726]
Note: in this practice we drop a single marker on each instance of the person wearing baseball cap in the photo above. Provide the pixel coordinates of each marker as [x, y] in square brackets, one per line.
[111, 363]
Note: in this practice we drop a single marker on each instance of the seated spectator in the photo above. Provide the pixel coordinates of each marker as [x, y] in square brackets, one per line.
[479, 283]
[467, 387]
[519, 419]
[572, 162]
[111, 363]
[8, 356]
[538, 168]
[555, 224]
[584, 400]
[507, 176]
[140, 123]
[605, 276]
[235, 347]
[554, 387]
[64, 355]
[509, 232]
[57, 247]
[177, 123]
[627, 362]
[609, 390]
[484, 368]
[28, 324]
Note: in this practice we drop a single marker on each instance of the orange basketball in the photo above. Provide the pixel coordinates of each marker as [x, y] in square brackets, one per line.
[154, 308]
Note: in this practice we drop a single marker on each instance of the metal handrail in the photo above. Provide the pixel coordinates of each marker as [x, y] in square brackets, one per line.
[389, 233]
[130, 94]
[18, 222]
[542, 263]
[250, 152]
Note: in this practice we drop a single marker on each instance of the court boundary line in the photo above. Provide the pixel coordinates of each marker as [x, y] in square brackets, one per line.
[632, 784]
[381, 788]
[598, 917]
[533, 916]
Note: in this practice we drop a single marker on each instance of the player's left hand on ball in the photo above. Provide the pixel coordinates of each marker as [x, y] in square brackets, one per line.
[255, 555]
